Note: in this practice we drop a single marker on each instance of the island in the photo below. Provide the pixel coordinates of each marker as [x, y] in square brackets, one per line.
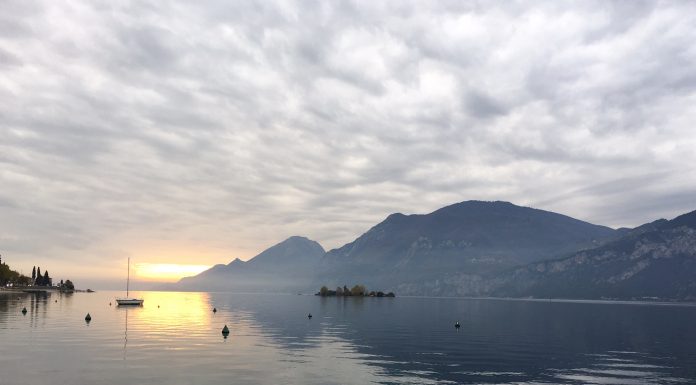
[355, 291]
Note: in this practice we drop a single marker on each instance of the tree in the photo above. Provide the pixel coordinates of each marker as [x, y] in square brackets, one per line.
[346, 291]
[323, 291]
[358, 290]
[9, 276]
[23, 280]
[33, 274]
[46, 279]
[69, 285]
[39, 278]
[339, 292]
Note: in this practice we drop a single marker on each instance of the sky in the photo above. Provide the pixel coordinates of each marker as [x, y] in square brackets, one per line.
[193, 133]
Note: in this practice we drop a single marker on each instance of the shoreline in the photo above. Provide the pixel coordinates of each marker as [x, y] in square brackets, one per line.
[35, 289]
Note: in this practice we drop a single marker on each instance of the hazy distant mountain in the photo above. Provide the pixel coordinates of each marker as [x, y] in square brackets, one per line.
[473, 237]
[289, 265]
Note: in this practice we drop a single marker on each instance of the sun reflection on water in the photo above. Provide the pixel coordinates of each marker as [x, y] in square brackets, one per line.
[164, 313]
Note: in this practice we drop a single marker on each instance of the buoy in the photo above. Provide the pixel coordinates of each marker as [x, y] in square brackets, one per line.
[214, 310]
[109, 303]
[309, 315]
[88, 317]
[225, 331]
[56, 301]
[158, 306]
[24, 311]
[457, 325]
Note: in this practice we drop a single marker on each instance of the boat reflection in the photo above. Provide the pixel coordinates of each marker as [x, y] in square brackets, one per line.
[125, 337]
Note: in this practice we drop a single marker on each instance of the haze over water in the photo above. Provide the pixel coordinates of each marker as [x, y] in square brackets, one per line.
[175, 338]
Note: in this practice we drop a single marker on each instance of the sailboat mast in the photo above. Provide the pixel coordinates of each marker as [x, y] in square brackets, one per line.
[128, 280]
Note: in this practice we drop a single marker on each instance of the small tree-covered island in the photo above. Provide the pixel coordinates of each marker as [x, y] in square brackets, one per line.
[355, 291]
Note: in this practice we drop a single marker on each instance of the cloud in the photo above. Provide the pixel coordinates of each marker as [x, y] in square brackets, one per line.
[205, 131]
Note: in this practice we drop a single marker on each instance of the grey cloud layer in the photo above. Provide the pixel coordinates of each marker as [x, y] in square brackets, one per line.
[230, 125]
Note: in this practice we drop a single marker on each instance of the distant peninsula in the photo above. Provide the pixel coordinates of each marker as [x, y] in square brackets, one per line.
[13, 280]
[355, 291]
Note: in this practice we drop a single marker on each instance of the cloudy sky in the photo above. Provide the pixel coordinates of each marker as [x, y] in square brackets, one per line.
[197, 132]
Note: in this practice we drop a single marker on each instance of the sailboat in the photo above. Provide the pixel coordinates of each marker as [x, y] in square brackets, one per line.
[129, 301]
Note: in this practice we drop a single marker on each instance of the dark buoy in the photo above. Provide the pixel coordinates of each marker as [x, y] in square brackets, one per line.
[56, 301]
[158, 306]
[457, 325]
[88, 317]
[214, 310]
[309, 315]
[24, 311]
[225, 331]
[109, 303]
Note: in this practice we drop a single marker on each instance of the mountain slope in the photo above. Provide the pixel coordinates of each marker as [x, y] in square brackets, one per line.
[657, 260]
[472, 236]
[653, 261]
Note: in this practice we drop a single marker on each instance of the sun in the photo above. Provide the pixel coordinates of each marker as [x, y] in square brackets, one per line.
[167, 271]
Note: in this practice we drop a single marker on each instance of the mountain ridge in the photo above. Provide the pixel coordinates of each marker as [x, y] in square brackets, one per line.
[479, 248]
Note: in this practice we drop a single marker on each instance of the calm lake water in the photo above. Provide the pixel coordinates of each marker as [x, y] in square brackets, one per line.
[175, 338]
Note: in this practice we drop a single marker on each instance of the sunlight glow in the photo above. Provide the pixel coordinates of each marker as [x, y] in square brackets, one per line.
[167, 271]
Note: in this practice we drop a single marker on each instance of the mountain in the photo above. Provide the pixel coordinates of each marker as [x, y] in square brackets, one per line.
[653, 261]
[471, 237]
[475, 248]
[289, 265]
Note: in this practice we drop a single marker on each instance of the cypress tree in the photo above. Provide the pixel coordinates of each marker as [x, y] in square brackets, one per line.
[46, 280]
[33, 274]
[39, 278]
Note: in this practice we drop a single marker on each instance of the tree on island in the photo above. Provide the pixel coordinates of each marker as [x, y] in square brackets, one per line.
[33, 274]
[358, 290]
[39, 277]
[68, 285]
[46, 279]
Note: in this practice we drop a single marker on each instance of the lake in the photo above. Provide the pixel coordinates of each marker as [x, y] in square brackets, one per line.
[175, 338]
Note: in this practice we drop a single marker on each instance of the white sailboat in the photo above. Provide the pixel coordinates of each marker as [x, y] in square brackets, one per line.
[128, 301]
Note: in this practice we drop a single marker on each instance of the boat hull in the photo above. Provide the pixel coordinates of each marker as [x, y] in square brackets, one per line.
[129, 301]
